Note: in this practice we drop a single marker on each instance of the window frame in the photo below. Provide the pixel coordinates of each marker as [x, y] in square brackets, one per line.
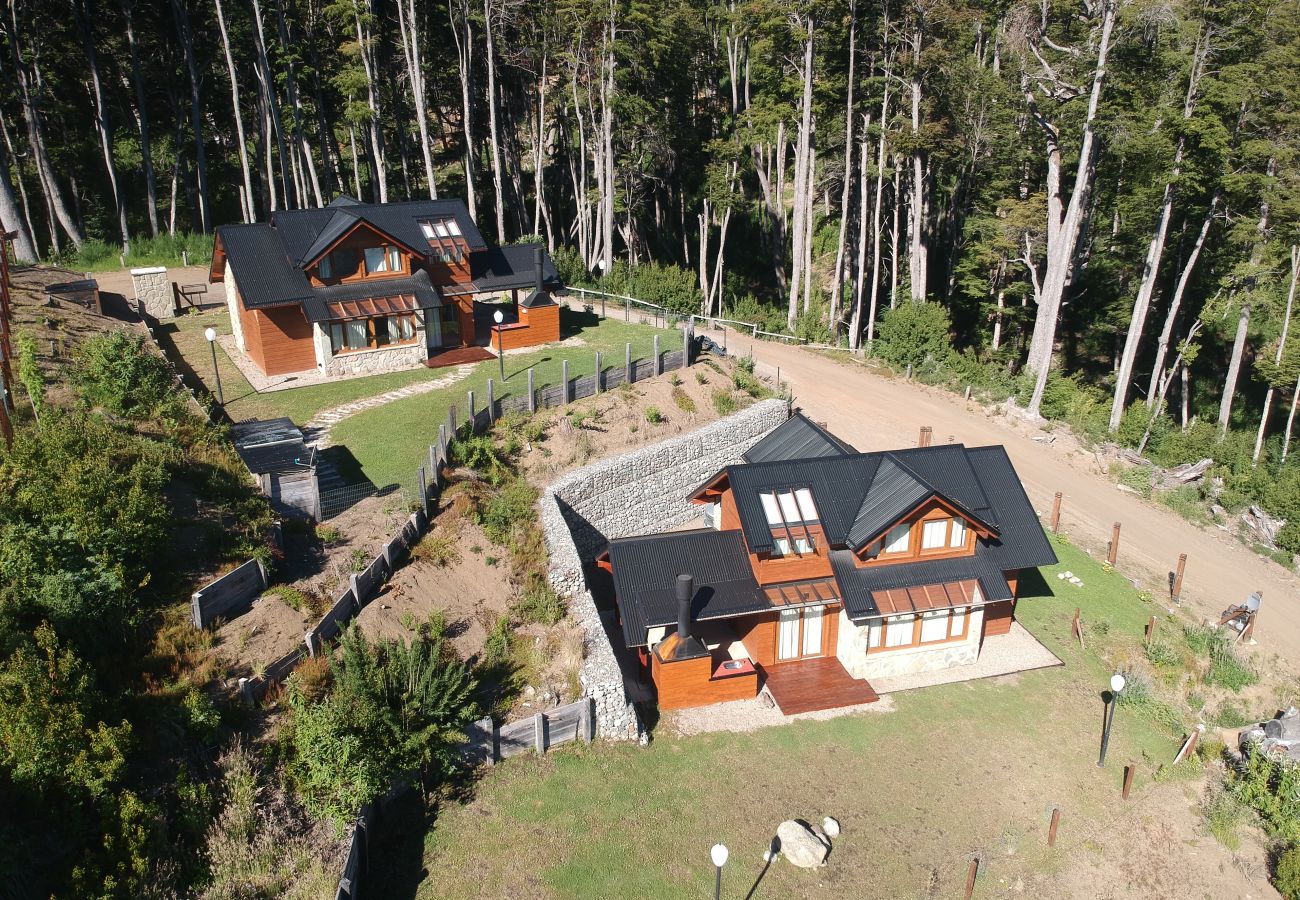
[881, 631]
[886, 543]
[339, 347]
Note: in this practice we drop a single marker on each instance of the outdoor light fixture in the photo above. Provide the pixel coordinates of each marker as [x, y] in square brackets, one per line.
[1108, 714]
[211, 335]
[719, 854]
[499, 317]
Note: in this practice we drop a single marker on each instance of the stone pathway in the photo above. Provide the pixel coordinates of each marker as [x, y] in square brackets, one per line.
[317, 429]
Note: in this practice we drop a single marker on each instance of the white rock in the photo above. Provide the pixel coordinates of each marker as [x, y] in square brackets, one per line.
[831, 827]
[801, 846]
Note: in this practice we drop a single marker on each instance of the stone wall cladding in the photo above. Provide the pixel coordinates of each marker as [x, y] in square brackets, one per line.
[154, 291]
[641, 492]
[852, 652]
[375, 362]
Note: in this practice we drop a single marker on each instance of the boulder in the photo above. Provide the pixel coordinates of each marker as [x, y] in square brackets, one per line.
[801, 846]
[831, 827]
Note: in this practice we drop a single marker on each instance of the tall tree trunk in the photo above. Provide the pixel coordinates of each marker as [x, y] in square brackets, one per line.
[1277, 357]
[1234, 368]
[239, 116]
[846, 188]
[1155, 250]
[1165, 380]
[803, 187]
[11, 217]
[271, 99]
[490, 52]
[103, 127]
[410, 32]
[289, 45]
[186, 37]
[54, 199]
[365, 41]
[860, 268]
[1162, 346]
[462, 33]
[142, 118]
[875, 214]
[1290, 420]
[918, 258]
[1064, 228]
[22, 189]
[607, 139]
[897, 197]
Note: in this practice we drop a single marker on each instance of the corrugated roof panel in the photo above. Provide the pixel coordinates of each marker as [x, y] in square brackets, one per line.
[893, 492]
[797, 437]
[857, 585]
[1021, 543]
[262, 271]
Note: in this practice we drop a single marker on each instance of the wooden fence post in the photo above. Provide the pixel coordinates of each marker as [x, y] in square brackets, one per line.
[657, 368]
[539, 733]
[532, 391]
[1056, 513]
[451, 422]
[1112, 553]
[1051, 830]
[424, 491]
[311, 645]
[972, 872]
[1177, 589]
[1151, 629]
[469, 397]
[600, 374]
[688, 330]
[627, 354]
[587, 720]
[564, 382]
[1128, 779]
[1077, 627]
[431, 464]
[246, 692]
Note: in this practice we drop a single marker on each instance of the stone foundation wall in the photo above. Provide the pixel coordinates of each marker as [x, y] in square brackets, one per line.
[375, 362]
[232, 306]
[154, 292]
[852, 652]
[637, 493]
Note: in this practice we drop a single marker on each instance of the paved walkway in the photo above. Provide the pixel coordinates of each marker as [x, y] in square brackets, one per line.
[317, 429]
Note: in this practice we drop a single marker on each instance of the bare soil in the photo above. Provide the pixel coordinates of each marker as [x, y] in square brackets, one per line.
[250, 642]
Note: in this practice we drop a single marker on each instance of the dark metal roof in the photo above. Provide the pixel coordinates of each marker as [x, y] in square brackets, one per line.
[894, 491]
[1021, 542]
[418, 285]
[272, 445]
[798, 437]
[646, 570]
[857, 584]
[268, 277]
[307, 233]
[510, 267]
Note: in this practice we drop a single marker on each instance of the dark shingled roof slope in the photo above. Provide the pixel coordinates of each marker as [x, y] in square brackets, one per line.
[511, 266]
[268, 276]
[646, 570]
[418, 285]
[857, 584]
[798, 437]
[1021, 542]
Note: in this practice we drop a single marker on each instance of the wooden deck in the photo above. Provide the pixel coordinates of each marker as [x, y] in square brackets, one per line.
[457, 356]
[813, 684]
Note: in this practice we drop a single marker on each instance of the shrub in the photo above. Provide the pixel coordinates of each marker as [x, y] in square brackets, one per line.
[496, 646]
[510, 505]
[724, 402]
[539, 603]
[683, 400]
[663, 284]
[290, 595]
[118, 372]
[1162, 654]
[1140, 697]
[29, 373]
[745, 380]
[1137, 478]
[438, 547]
[327, 534]
[653, 415]
[481, 453]
[1271, 787]
[911, 333]
[1286, 874]
[1229, 670]
[1223, 813]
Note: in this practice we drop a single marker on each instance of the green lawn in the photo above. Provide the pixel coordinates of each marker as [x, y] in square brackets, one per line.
[390, 442]
[954, 769]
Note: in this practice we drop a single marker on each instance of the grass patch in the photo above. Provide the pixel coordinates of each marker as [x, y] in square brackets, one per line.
[438, 547]
[724, 402]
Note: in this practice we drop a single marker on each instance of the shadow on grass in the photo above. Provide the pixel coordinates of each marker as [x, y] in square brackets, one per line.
[1033, 584]
[574, 321]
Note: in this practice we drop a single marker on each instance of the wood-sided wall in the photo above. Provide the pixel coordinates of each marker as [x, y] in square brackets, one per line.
[999, 616]
[759, 633]
[538, 325]
[278, 340]
[689, 682]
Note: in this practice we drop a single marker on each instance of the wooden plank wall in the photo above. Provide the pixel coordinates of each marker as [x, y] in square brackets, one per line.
[285, 340]
[232, 592]
[564, 724]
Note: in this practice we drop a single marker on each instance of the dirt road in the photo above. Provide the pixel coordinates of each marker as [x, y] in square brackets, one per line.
[876, 413]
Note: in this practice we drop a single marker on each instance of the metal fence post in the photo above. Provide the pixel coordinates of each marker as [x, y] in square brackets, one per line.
[564, 382]
[492, 401]
[657, 368]
[600, 374]
[532, 392]
[631, 373]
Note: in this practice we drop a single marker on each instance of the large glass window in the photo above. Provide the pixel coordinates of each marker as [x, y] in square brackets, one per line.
[934, 626]
[899, 539]
[382, 260]
[898, 631]
[366, 334]
[958, 622]
[957, 536]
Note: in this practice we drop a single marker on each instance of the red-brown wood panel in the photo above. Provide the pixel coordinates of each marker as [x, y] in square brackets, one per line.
[758, 634]
[689, 682]
[252, 330]
[285, 337]
[999, 616]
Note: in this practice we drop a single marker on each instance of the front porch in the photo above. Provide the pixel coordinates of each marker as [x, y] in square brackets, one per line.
[815, 684]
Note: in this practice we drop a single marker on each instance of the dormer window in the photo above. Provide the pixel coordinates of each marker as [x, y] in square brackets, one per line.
[440, 228]
[383, 260]
[789, 514]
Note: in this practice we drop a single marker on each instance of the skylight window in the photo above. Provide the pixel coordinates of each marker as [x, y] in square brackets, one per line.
[788, 515]
[440, 228]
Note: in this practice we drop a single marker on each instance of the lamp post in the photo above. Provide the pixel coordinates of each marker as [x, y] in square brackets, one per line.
[1108, 714]
[211, 335]
[719, 854]
[501, 348]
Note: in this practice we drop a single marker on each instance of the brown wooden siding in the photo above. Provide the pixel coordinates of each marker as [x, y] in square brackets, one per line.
[758, 634]
[252, 330]
[285, 340]
[540, 325]
[998, 617]
[689, 682]
[932, 509]
[358, 240]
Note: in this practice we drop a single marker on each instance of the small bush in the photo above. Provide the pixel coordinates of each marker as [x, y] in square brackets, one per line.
[724, 402]
[510, 505]
[118, 372]
[481, 453]
[311, 678]
[653, 415]
[357, 562]
[328, 534]
[1140, 697]
[438, 548]
[1223, 813]
[539, 603]
[1286, 875]
[496, 647]
[1162, 654]
[911, 333]
[1137, 478]
[1229, 670]
[683, 400]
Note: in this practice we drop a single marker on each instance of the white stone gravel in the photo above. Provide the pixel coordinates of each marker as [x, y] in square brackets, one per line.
[751, 715]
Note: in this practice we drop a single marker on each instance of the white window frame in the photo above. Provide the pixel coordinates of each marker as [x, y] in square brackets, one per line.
[957, 536]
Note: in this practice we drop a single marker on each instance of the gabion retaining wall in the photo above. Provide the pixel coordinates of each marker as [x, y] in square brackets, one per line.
[641, 492]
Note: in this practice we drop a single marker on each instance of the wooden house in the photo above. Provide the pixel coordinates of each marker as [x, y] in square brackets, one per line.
[358, 288]
[824, 567]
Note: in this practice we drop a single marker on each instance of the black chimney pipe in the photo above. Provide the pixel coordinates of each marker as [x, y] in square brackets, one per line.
[537, 265]
[685, 593]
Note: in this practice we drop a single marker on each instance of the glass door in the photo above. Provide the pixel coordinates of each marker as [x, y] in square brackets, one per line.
[812, 631]
[449, 326]
[787, 639]
[799, 633]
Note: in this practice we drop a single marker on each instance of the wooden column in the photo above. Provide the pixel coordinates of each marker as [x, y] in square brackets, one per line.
[539, 732]
[1112, 553]
[972, 872]
[631, 372]
[564, 382]
[1051, 830]
[600, 374]
[1128, 779]
[1056, 513]
[469, 400]
[657, 368]
[1177, 589]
